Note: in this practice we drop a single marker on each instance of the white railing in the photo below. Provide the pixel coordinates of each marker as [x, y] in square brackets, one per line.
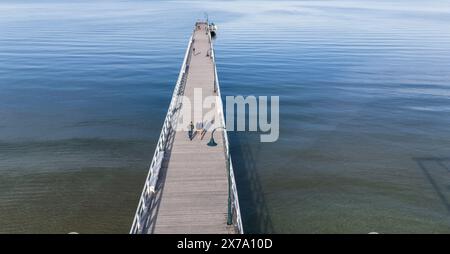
[235, 209]
[143, 212]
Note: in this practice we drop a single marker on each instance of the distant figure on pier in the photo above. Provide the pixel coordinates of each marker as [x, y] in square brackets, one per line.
[191, 130]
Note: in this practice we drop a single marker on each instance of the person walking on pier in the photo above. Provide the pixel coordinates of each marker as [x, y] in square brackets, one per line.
[191, 130]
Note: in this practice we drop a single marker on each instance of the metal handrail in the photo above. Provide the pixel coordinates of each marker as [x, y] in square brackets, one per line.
[235, 209]
[145, 201]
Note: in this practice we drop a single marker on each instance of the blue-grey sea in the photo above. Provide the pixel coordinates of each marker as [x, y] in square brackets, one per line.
[364, 92]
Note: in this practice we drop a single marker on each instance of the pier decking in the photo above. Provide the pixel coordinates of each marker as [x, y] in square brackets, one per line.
[190, 187]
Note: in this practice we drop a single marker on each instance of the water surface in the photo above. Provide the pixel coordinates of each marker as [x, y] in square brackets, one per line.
[364, 92]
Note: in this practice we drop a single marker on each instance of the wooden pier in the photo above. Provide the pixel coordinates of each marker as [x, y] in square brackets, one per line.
[190, 187]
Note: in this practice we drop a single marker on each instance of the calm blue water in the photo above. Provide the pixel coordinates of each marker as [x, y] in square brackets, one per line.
[364, 92]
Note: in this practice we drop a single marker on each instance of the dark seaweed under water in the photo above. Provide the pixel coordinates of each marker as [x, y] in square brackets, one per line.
[364, 92]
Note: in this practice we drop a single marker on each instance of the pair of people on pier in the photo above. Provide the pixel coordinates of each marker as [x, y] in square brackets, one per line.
[199, 126]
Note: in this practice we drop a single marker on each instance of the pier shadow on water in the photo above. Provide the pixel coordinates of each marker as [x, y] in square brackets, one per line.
[437, 172]
[255, 214]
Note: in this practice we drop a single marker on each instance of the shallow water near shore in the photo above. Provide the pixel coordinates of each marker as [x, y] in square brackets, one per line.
[364, 111]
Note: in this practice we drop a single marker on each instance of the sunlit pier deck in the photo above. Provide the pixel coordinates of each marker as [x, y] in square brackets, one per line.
[190, 187]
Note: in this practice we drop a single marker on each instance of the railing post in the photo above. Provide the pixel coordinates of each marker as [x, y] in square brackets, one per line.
[230, 210]
[215, 83]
